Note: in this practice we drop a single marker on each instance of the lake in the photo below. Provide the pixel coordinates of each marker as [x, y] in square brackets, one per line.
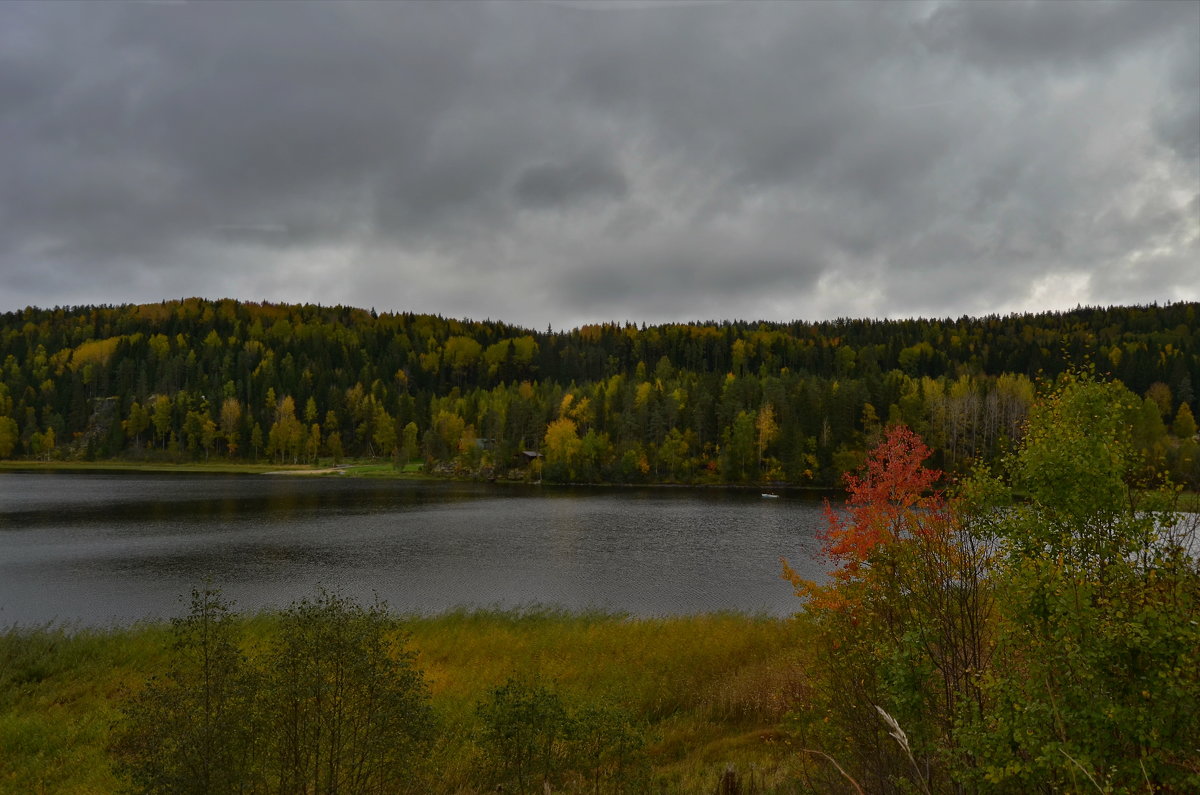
[99, 549]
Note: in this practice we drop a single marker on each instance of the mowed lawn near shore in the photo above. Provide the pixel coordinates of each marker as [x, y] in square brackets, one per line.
[710, 690]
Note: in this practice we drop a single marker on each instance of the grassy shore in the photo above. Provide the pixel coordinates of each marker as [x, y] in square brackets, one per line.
[712, 690]
[368, 468]
[218, 467]
[214, 467]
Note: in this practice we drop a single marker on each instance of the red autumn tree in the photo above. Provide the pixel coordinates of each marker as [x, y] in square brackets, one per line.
[891, 496]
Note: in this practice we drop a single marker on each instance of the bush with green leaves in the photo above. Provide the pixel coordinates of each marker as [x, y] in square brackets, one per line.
[1038, 632]
[347, 709]
[334, 705]
[1096, 678]
[525, 736]
[198, 728]
[531, 740]
[610, 750]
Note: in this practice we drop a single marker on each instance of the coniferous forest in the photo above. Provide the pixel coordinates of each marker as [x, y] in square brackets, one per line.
[707, 402]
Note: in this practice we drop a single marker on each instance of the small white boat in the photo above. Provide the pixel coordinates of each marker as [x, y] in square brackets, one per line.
[770, 496]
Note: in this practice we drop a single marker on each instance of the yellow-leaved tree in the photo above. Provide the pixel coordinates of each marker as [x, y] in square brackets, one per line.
[562, 446]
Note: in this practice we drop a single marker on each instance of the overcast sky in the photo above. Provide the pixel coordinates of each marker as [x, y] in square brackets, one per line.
[577, 161]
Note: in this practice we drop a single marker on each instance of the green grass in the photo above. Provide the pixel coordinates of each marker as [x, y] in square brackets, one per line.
[383, 470]
[214, 467]
[221, 467]
[712, 688]
[1189, 501]
[59, 693]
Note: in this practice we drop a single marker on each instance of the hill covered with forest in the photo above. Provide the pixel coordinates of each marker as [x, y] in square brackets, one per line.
[704, 402]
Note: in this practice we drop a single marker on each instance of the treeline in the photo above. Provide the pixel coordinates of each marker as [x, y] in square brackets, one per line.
[702, 402]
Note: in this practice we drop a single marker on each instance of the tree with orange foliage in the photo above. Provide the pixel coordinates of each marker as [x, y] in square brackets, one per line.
[1024, 645]
[900, 617]
[891, 498]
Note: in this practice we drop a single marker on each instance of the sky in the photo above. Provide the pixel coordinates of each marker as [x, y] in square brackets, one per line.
[572, 161]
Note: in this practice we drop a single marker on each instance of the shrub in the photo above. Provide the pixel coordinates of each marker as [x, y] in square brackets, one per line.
[532, 740]
[335, 705]
[526, 734]
[348, 711]
[196, 730]
[1096, 682]
[1044, 643]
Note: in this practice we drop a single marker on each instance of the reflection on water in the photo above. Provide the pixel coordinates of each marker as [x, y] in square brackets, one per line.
[94, 549]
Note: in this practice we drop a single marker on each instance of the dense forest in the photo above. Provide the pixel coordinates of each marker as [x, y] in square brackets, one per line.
[706, 402]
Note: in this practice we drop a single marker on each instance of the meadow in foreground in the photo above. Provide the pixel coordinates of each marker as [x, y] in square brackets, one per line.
[704, 691]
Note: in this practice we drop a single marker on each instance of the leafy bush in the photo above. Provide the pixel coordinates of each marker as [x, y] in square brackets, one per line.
[335, 705]
[1038, 643]
[196, 730]
[347, 710]
[1096, 678]
[526, 735]
[531, 740]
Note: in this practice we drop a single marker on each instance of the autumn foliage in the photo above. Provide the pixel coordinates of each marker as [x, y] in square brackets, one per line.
[1034, 632]
[702, 403]
[890, 498]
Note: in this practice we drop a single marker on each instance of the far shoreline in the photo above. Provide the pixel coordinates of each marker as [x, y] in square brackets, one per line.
[361, 470]
[1189, 501]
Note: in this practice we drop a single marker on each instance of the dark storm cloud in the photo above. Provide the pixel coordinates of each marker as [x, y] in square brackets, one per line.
[1177, 121]
[1021, 34]
[573, 161]
[555, 184]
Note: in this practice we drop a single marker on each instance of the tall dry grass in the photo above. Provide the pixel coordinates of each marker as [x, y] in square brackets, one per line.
[710, 688]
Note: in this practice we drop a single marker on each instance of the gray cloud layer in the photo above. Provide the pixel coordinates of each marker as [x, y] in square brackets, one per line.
[571, 162]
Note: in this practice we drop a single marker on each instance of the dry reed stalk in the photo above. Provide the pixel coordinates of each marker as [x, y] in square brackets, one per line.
[902, 739]
[833, 762]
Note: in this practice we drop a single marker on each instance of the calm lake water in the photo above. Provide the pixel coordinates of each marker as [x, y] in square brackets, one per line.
[97, 549]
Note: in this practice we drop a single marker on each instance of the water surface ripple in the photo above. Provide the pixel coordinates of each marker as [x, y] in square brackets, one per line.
[95, 549]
